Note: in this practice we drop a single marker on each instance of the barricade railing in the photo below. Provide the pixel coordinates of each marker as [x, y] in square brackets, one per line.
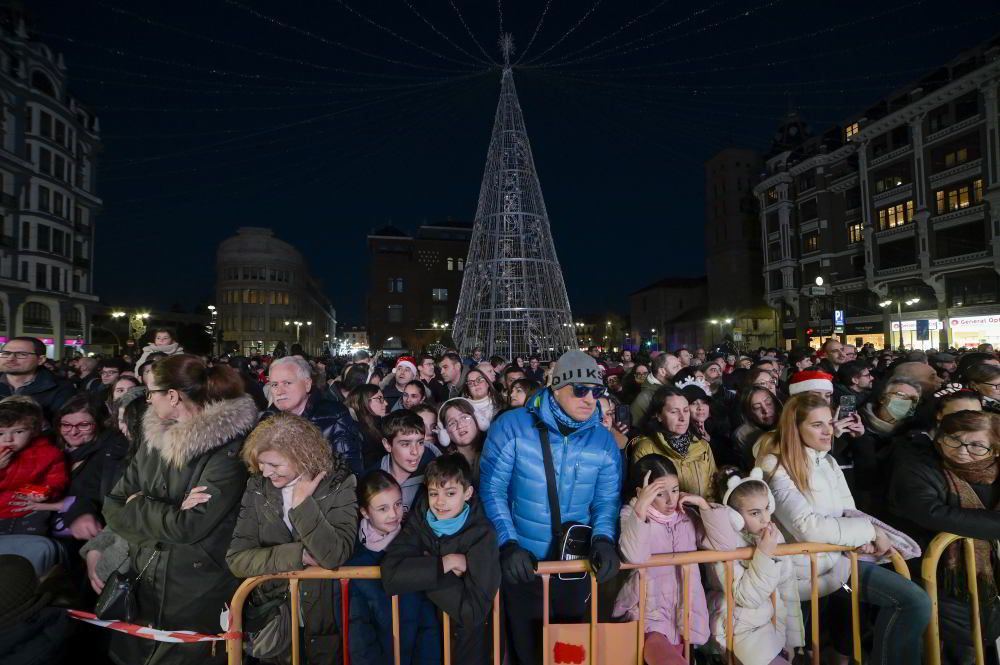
[234, 642]
[928, 573]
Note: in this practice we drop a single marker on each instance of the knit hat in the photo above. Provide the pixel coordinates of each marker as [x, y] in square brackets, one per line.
[19, 596]
[576, 367]
[407, 361]
[809, 380]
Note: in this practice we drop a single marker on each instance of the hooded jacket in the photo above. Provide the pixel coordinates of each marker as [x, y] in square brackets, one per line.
[588, 470]
[337, 425]
[186, 583]
[412, 562]
[325, 524]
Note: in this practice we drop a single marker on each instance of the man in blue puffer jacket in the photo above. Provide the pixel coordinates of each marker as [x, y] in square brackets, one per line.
[515, 496]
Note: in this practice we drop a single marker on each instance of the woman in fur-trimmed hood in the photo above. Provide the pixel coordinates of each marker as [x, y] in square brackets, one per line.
[177, 504]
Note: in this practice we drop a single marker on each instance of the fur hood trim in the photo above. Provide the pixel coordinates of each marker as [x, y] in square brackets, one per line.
[179, 442]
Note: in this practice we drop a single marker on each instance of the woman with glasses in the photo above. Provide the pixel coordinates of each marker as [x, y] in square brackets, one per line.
[368, 406]
[667, 431]
[953, 485]
[177, 505]
[632, 384]
[92, 454]
[461, 432]
[985, 379]
[483, 397]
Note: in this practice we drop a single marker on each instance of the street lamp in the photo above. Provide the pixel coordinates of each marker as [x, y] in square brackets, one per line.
[899, 313]
[819, 281]
[298, 327]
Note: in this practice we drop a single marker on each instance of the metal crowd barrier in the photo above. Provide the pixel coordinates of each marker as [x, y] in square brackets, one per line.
[928, 572]
[234, 642]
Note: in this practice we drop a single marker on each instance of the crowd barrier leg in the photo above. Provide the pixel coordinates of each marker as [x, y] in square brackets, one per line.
[593, 616]
[293, 591]
[977, 628]
[641, 637]
[814, 606]
[396, 655]
[686, 604]
[856, 607]
[496, 629]
[545, 619]
[345, 609]
[730, 657]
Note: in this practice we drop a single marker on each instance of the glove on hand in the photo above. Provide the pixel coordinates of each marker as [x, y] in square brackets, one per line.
[518, 564]
[604, 559]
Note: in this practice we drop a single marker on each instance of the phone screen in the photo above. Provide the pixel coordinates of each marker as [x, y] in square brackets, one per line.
[848, 405]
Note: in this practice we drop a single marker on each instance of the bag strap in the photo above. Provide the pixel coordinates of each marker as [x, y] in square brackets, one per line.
[152, 556]
[550, 479]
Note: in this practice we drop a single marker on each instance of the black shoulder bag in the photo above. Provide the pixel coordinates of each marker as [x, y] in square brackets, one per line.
[117, 599]
[570, 541]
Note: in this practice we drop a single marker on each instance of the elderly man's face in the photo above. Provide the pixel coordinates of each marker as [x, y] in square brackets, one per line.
[289, 391]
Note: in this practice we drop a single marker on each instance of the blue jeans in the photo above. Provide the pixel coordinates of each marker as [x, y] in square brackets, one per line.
[904, 610]
[42, 552]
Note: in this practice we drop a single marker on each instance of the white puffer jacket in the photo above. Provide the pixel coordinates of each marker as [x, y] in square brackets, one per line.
[817, 517]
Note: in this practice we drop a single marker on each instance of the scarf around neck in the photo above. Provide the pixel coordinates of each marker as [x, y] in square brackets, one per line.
[563, 419]
[450, 526]
[658, 517]
[958, 478]
[679, 443]
[372, 538]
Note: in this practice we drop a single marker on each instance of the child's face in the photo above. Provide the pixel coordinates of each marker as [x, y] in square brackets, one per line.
[448, 499]
[405, 451]
[666, 501]
[430, 424]
[754, 511]
[15, 437]
[385, 510]
[162, 339]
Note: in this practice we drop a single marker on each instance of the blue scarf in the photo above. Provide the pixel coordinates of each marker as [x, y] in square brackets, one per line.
[563, 418]
[449, 526]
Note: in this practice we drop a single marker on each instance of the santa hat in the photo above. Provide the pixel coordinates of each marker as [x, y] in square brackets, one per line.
[407, 361]
[810, 380]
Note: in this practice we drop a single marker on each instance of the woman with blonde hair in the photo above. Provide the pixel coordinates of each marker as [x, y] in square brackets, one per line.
[299, 509]
[813, 504]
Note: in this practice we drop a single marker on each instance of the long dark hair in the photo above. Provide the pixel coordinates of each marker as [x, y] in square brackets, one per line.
[656, 465]
[357, 400]
[746, 407]
[650, 423]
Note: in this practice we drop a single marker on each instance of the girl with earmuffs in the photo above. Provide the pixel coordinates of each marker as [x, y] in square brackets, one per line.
[763, 634]
[461, 431]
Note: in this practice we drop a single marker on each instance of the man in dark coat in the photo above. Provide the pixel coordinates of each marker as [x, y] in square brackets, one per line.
[448, 549]
[291, 385]
[22, 374]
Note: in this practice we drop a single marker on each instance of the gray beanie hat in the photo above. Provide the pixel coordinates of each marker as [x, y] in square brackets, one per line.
[576, 367]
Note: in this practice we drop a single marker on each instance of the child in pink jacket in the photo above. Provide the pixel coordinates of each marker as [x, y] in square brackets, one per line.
[654, 522]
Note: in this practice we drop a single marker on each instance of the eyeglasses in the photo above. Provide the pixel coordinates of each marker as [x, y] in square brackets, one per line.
[150, 391]
[994, 386]
[975, 448]
[377, 398]
[912, 398]
[20, 355]
[475, 382]
[580, 390]
[80, 427]
[463, 419]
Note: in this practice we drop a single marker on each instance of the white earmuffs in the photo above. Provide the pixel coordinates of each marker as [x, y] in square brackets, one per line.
[756, 476]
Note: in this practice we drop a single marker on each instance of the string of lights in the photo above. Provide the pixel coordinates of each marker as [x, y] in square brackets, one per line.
[571, 30]
[469, 31]
[445, 37]
[622, 49]
[538, 26]
[333, 42]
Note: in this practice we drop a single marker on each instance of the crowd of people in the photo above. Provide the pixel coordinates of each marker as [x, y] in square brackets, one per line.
[147, 488]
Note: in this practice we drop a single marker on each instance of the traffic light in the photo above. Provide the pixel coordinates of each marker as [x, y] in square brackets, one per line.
[809, 332]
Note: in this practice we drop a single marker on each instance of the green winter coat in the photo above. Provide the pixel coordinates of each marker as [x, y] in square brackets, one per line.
[187, 583]
[326, 524]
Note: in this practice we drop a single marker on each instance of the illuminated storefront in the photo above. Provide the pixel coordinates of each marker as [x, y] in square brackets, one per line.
[971, 331]
[911, 336]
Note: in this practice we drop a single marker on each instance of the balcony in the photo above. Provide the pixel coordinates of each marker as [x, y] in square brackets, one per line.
[901, 192]
[958, 217]
[974, 257]
[957, 173]
[889, 156]
[898, 270]
[896, 232]
[953, 129]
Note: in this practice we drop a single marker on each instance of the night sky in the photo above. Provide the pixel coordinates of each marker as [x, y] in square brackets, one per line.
[326, 119]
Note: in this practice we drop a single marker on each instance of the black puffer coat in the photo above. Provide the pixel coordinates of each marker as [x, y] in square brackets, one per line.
[337, 425]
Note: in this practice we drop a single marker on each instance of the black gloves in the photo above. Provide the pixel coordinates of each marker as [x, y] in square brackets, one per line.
[604, 559]
[518, 564]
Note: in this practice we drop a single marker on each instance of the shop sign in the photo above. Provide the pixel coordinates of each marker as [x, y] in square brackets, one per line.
[838, 317]
[974, 323]
[912, 325]
[870, 328]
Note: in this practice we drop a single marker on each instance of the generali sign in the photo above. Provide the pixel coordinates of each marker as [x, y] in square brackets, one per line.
[974, 322]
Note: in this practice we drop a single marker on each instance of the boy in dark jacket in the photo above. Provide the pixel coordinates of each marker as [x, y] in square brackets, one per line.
[448, 550]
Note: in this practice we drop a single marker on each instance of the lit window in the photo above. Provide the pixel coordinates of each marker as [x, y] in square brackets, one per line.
[855, 233]
[963, 196]
[451, 264]
[895, 215]
[439, 295]
[851, 130]
[772, 195]
[461, 265]
[810, 243]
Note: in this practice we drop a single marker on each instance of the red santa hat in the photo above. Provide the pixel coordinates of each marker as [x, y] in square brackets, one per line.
[408, 361]
[809, 380]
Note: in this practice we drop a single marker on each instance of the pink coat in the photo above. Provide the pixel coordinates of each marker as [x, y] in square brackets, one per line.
[664, 611]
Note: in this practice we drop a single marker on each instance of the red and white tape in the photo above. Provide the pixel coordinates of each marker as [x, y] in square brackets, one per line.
[180, 636]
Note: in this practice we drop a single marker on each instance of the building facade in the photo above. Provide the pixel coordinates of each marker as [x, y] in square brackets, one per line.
[49, 144]
[887, 229]
[414, 284]
[733, 253]
[669, 314]
[266, 298]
